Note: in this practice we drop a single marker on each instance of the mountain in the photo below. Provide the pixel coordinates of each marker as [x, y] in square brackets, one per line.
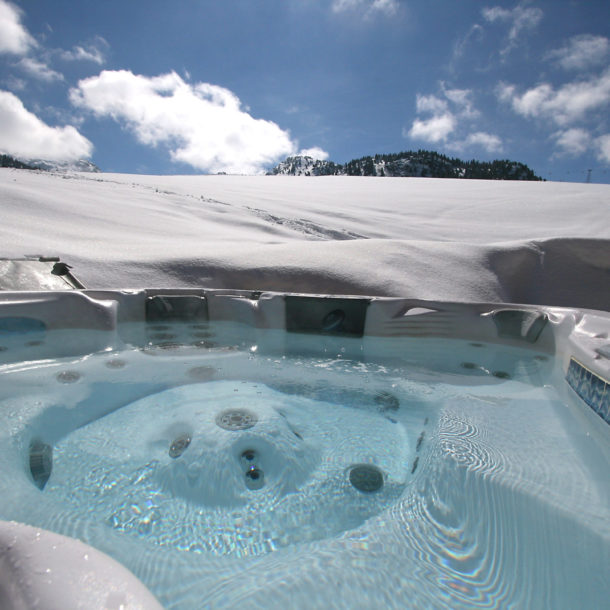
[307, 166]
[82, 165]
[8, 161]
[422, 163]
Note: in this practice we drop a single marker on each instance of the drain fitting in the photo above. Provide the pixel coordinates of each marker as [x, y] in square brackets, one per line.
[236, 419]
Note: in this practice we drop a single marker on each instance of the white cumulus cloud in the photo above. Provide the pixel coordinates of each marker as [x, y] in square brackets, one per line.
[24, 135]
[565, 105]
[573, 142]
[14, 38]
[451, 115]
[581, 52]
[487, 141]
[431, 103]
[315, 153]
[435, 129]
[480, 140]
[203, 125]
[367, 7]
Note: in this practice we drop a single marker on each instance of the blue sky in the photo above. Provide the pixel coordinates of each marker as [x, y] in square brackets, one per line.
[199, 86]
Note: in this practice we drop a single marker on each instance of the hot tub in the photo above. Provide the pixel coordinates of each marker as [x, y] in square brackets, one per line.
[273, 450]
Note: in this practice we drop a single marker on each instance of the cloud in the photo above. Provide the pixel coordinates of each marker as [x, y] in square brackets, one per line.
[569, 103]
[38, 69]
[575, 142]
[368, 7]
[462, 98]
[14, 83]
[203, 125]
[474, 34]
[450, 114]
[581, 52]
[24, 135]
[460, 101]
[434, 129]
[489, 142]
[572, 142]
[315, 153]
[520, 19]
[14, 38]
[94, 51]
[603, 145]
[431, 103]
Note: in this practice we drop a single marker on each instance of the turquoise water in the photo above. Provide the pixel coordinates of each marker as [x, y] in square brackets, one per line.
[396, 473]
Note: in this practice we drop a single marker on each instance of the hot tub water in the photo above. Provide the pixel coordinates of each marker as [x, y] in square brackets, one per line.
[221, 470]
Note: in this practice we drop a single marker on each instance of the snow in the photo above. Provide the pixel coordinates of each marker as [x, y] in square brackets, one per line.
[457, 240]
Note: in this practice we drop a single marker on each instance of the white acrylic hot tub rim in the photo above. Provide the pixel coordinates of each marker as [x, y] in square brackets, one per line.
[570, 335]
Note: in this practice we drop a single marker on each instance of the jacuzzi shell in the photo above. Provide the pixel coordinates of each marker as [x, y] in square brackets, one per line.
[579, 339]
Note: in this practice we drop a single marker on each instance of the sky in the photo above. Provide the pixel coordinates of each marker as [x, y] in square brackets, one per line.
[202, 86]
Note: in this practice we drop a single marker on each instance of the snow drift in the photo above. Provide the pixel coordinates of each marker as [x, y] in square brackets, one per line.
[539, 243]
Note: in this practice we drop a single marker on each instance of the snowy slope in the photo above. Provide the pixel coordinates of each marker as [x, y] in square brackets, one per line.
[535, 242]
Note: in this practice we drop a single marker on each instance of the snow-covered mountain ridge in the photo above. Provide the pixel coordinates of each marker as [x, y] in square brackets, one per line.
[407, 164]
[82, 165]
